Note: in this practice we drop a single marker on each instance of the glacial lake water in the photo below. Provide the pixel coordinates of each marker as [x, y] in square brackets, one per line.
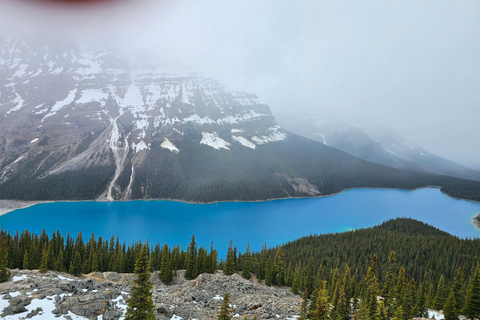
[274, 222]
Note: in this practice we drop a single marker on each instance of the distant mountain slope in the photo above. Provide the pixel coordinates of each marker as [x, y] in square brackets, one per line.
[82, 124]
[378, 145]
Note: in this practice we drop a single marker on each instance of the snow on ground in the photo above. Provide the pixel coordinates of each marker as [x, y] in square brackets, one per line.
[18, 104]
[275, 135]
[236, 130]
[34, 140]
[175, 317]
[60, 104]
[21, 71]
[91, 95]
[212, 140]
[166, 144]
[47, 305]
[14, 294]
[139, 146]
[432, 314]
[64, 278]
[244, 142]
[217, 297]
[19, 278]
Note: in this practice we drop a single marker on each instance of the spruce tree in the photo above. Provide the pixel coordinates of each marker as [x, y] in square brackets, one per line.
[320, 312]
[246, 270]
[44, 264]
[262, 267]
[140, 305]
[226, 312]
[4, 272]
[472, 303]
[304, 306]
[165, 273]
[296, 279]
[381, 312]
[279, 267]
[192, 271]
[229, 267]
[441, 295]
[449, 310]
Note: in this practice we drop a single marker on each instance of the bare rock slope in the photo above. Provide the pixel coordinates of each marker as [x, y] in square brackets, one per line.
[35, 295]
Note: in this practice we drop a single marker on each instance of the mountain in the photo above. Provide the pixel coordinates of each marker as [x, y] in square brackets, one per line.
[379, 144]
[84, 124]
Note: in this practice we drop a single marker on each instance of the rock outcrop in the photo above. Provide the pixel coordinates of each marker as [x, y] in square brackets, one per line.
[31, 295]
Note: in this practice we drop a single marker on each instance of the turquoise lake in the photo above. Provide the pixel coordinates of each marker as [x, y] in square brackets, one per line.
[274, 222]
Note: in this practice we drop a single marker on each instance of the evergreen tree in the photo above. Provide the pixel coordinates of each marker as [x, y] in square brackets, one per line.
[381, 312]
[165, 273]
[26, 261]
[472, 303]
[246, 270]
[262, 267]
[269, 273]
[304, 306]
[441, 295]
[140, 305]
[192, 271]
[320, 312]
[449, 310]
[398, 313]
[296, 280]
[458, 290]
[44, 264]
[310, 276]
[226, 312]
[4, 272]
[389, 286]
[279, 267]
[76, 264]
[229, 268]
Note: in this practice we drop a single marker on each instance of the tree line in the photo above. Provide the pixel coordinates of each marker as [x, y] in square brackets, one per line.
[335, 273]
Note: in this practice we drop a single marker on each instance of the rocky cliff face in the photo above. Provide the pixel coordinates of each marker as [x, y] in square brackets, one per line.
[33, 295]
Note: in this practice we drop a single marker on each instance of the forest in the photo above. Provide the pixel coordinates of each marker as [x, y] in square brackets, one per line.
[397, 270]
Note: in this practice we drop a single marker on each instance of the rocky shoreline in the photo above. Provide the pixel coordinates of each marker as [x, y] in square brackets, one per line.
[476, 221]
[34, 295]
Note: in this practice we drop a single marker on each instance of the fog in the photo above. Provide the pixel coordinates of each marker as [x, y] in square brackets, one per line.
[413, 66]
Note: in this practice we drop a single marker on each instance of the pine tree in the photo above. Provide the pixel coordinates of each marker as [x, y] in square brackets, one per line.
[140, 305]
[296, 280]
[269, 273]
[4, 272]
[381, 312]
[279, 267]
[26, 261]
[192, 271]
[165, 273]
[304, 306]
[76, 264]
[449, 310]
[472, 303]
[262, 267]
[457, 289]
[310, 276]
[44, 264]
[389, 286]
[320, 312]
[441, 295]
[229, 267]
[246, 270]
[226, 311]
[398, 313]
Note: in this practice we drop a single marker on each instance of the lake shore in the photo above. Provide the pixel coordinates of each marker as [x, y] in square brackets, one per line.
[7, 206]
[476, 221]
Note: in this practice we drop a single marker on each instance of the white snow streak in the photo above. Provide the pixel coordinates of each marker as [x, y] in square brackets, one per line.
[166, 144]
[214, 141]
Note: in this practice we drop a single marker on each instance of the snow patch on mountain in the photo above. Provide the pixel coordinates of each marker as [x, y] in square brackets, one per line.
[276, 135]
[61, 104]
[93, 95]
[244, 142]
[214, 141]
[19, 103]
[166, 144]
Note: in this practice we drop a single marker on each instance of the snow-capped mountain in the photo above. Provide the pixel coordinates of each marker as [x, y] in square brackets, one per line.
[83, 124]
[378, 144]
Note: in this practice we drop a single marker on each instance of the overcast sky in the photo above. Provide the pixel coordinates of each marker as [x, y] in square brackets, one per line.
[410, 65]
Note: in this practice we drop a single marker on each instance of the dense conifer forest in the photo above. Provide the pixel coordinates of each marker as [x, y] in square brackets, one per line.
[396, 270]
